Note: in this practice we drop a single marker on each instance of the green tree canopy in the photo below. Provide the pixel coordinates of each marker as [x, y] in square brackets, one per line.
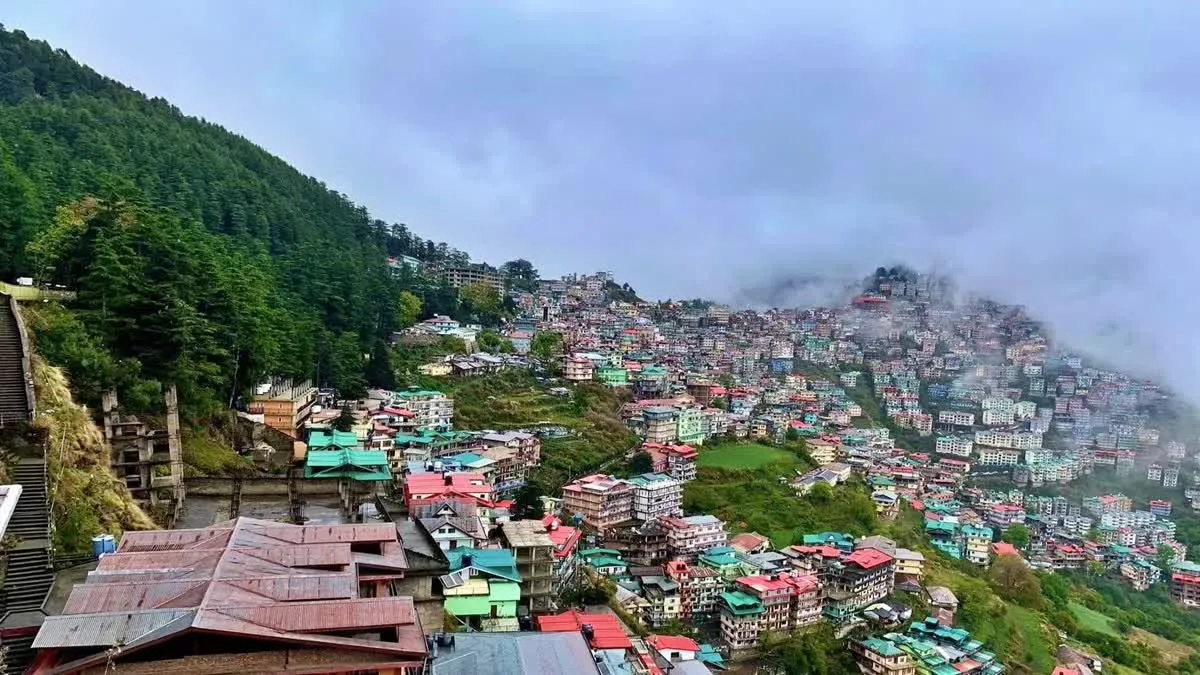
[520, 275]
[1017, 535]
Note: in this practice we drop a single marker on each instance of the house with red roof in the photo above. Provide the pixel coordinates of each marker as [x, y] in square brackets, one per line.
[864, 577]
[789, 601]
[1003, 548]
[674, 648]
[676, 461]
[428, 487]
[699, 588]
[602, 630]
[245, 595]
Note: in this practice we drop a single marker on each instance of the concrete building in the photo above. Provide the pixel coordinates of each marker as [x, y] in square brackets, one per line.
[656, 496]
[533, 550]
[474, 274]
[148, 461]
[1185, 584]
[284, 405]
[691, 536]
[602, 501]
[431, 409]
[660, 424]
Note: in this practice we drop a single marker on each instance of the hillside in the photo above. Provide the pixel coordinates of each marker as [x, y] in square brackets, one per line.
[264, 271]
[85, 497]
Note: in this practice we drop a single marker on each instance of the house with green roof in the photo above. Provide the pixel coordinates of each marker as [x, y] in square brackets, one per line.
[928, 648]
[483, 589]
[363, 466]
[741, 619]
[612, 376]
[726, 561]
[333, 440]
[604, 561]
[839, 540]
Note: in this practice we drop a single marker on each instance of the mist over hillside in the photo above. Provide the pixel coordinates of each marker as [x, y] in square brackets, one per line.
[1040, 153]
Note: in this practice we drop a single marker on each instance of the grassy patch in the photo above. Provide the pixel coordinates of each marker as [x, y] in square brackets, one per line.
[1090, 619]
[1172, 652]
[743, 456]
[86, 499]
[206, 455]
[755, 501]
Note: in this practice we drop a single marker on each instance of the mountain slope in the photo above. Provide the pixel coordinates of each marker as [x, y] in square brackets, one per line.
[68, 133]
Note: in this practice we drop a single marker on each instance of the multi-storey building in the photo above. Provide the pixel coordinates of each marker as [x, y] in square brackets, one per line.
[1170, 476]
[699, 589]
[741, 615]
[677, 461]
[284, 405]
[864, 577]
[1003, 515]
[431, 409]
[1026, 440]
[660, 426]
[977, 542]
[789, 601]
[910, 565]
[1140, 573]
[577, 368]
[991, 456]
[602, 501]
[957, 418]
[882, 657]
[474, 274]
[995, 439]
[656, 496]
[665, 603]
[533, 550]
[690, 425]
[953, 444]
[1185, 583]
[690, 536]
[998, 416]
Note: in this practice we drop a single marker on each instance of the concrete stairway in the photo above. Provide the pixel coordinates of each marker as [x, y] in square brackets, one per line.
[19, 655]
[30, 573]
[13, 403]
[31, 518]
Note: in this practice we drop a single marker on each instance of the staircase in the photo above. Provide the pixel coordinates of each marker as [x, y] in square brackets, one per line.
[20, 653]
[14, 402]
[28, 572]
[30, 520]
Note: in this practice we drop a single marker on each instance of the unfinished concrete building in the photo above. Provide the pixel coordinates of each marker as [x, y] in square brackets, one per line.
[149, 461]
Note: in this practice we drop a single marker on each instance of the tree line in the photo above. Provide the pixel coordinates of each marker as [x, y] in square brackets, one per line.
[199, 258]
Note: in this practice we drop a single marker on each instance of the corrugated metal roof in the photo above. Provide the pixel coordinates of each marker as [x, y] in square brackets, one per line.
[328, 616]
[91, 598]
[105, 630]
[246, 577]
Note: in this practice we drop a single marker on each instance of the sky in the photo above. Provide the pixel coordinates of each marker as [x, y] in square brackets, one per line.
[1042, 153]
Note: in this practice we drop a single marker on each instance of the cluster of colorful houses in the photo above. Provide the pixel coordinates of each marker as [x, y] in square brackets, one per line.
[918, 400]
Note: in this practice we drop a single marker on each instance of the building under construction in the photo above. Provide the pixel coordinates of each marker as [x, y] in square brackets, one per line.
[149, 461]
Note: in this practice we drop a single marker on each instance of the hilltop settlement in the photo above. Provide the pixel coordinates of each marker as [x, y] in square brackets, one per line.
[926, 446]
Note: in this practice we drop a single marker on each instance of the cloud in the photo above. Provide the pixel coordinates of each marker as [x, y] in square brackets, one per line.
[1043, 153]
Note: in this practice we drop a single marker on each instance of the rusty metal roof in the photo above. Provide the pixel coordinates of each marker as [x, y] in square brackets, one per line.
[242, 577]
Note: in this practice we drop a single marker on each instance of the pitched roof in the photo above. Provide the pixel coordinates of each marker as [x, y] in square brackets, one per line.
[607, 632]
[497, 562]
[245, 577]
[676, 643]
[363, 465]
[868, 558]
